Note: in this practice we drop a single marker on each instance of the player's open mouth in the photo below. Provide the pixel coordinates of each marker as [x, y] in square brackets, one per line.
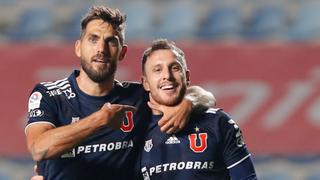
[167, 87]
[100, 61]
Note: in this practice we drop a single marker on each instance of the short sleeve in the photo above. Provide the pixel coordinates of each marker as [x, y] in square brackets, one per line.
[41, 107]
[234, 148]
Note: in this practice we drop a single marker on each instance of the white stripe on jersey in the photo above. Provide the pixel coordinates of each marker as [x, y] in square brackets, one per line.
[65, 86]
[231, 166]
[61, 84]
[38, 122]
[53, 83]
[212, 110]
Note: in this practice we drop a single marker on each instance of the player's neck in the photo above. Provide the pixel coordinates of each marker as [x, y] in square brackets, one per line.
[154, 102]
[93, 88]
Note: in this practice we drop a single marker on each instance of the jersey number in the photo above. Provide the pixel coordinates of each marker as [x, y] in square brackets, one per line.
[127, 123]
[193, 142]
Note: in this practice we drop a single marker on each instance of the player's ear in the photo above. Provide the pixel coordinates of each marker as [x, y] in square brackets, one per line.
[145, 83]
[188, 76]
[77, 48]
[123, 52]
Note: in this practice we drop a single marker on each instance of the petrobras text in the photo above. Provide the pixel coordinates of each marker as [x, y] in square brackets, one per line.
[93, 148]
[175, 166]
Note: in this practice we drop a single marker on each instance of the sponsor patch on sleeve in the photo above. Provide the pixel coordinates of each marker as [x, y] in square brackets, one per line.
[34, 101]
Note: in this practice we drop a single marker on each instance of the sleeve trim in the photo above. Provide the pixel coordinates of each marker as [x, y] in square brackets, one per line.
[231, 166]
[39, 122]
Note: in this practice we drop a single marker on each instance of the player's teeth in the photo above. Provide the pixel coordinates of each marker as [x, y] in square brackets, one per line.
[167, 87]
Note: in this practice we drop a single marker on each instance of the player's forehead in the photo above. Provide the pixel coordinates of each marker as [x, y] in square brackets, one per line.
[100, 28]
[163, 56]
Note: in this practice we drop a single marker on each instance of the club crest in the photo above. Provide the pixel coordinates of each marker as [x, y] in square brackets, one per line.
[127, 123]
[148, 145]
[196, 147]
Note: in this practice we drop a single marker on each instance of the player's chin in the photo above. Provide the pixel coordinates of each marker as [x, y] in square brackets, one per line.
[171, 100]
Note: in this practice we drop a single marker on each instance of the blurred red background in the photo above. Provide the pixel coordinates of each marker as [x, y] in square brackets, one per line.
[271, 90]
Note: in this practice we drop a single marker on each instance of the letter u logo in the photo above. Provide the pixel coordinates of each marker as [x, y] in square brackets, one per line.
[127, 123]
[193, 142]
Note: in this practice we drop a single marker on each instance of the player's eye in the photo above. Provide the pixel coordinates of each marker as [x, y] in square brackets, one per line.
[176, 68]
[112, 41]
[156, 69]
[93, 39]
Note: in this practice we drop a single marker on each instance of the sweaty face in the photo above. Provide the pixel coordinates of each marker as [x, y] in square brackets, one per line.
[99, 51]
[165, 78]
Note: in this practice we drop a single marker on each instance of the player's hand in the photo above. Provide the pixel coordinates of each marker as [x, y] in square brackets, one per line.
[115, 113]
[174, 117]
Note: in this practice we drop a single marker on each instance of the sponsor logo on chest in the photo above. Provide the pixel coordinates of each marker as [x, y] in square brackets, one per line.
[172, 140]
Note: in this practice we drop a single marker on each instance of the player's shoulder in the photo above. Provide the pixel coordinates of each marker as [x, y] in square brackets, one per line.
[130, 92]
[56, 88]
[129, 85]
[56, 84]
[216, 113]
[212, 117]
[222, 120]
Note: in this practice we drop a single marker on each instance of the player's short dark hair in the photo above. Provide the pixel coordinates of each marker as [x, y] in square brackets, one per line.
[109, 15]
[159, 44]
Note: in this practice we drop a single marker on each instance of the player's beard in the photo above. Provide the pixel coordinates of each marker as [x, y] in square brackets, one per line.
[100, 75]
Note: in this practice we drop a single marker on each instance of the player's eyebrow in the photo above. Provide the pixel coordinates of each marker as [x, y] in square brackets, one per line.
[110, 38]
[93, 35]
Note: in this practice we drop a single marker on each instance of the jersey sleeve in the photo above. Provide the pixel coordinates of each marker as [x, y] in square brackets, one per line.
[245, 170]
[41, 107]
[234, 149]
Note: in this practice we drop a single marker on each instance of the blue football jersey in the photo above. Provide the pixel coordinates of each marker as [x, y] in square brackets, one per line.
[107, 154]
[210, 144]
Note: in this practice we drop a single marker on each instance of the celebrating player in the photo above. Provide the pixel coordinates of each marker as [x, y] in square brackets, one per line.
[209, 147]
[89, 125]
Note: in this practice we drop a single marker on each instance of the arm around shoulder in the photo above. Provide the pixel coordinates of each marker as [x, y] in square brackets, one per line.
[200, 98]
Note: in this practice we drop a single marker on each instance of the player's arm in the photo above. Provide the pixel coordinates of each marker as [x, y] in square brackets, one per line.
[243, 171]
[45, 142]
[200, 98]
[235, 152]
[176, 117]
